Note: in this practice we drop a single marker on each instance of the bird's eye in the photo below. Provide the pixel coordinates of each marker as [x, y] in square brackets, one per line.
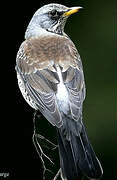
[54, 14]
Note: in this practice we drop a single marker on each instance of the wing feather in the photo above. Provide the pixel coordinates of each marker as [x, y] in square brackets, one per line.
[40, 85]
[46, 103]
[76, 89]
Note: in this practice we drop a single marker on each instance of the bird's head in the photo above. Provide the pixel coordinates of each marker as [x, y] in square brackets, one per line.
[49, 18]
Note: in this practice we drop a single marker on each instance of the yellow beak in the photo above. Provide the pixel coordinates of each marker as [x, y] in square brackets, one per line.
[72, 11]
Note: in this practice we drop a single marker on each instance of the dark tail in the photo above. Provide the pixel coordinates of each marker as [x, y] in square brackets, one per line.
[77, 158]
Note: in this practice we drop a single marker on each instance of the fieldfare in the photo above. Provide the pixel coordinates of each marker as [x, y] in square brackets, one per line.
[50, 77]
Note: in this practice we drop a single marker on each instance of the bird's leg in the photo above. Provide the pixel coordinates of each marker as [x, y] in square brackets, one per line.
[36, 137]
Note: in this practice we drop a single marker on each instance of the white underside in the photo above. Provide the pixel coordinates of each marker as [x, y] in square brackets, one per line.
[62, 93]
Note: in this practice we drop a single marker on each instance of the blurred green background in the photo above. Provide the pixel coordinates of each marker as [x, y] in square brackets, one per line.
[94, 32]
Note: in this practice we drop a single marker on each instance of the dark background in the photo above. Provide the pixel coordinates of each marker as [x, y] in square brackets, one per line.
[94, 32]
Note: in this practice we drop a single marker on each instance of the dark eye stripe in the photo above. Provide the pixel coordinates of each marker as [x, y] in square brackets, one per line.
[54, 14]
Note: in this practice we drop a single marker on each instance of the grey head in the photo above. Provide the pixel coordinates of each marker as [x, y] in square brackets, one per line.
[50, 18]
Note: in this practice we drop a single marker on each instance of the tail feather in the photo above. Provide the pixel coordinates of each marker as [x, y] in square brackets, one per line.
[77, 157]
[67, 159]
[92, 166]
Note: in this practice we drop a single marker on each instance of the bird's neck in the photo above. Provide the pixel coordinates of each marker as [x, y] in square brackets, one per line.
[57, 29]
[36, 31]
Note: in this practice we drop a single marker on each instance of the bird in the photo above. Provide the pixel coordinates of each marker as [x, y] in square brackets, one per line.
[51, 79]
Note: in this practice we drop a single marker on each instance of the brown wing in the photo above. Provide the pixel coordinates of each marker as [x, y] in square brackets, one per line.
[40, 84]
[36, 62]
